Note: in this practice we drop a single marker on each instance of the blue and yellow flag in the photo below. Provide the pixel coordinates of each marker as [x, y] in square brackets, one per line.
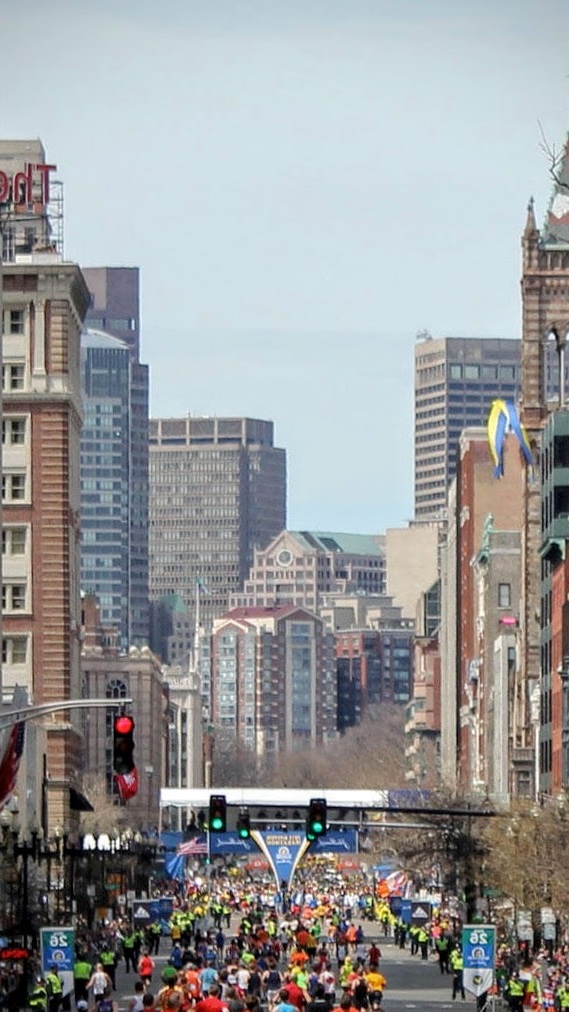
[502, 419]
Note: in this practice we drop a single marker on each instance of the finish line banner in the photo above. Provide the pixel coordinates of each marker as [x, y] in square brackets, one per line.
[283, 851]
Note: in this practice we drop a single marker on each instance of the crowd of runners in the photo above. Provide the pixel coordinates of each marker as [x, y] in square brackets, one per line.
[234, 946]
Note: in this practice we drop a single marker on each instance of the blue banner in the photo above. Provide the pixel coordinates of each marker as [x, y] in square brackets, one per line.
[283, 850]
[148, 911]
[405, 912]
[230, 843]
[336, 841]
[478, 952]
[57, 947]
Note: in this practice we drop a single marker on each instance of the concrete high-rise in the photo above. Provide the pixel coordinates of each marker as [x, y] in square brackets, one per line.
[217, 492]
[456, 380]
[114, 454]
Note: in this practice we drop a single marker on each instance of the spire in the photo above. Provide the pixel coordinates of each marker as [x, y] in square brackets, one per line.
[531, 227]
[556, 228]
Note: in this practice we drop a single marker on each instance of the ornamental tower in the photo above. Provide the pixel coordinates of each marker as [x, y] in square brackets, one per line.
[545, 327]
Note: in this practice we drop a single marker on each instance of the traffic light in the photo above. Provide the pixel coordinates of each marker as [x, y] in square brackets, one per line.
[123, 744]
[217, 813]
[316, 818]
[244, 824]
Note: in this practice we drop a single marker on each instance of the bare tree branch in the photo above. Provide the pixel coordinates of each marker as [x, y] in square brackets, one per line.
[554, 157]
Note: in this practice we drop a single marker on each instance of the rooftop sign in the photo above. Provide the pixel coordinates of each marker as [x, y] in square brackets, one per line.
[19, 187]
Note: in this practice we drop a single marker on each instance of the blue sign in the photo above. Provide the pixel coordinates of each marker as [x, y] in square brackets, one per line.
[158, 909]
[57, 947]
[283, 850]
[336, 841]
[478, 953]
[405, 913]
[230, 843]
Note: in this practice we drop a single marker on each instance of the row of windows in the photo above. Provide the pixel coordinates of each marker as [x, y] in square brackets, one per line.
[472, 372]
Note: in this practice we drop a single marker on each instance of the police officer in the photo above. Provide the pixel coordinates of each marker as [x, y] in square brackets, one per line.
[81, 974]
[38, 996]
[457, 965]
[515, 993]
[109, 960]
[54, 985]
[562, 995]
[442, 946]
[129, 950]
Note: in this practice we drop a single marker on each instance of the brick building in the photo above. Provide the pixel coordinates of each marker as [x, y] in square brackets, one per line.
[45, 300]
[478, 504]
[273, 678]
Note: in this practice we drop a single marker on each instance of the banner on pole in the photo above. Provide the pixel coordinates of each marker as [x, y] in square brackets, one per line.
[478, 953]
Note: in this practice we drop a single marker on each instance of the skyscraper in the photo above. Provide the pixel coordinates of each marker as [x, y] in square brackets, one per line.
[114, 454]
[456, 379]
[217, 492]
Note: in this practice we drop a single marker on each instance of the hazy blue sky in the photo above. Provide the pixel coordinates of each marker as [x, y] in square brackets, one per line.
[304, 184]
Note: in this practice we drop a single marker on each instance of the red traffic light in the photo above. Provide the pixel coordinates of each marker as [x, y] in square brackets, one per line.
[124, 724]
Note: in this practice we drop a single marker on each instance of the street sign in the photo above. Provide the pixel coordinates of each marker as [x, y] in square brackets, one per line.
[478, 953]
[57, 947]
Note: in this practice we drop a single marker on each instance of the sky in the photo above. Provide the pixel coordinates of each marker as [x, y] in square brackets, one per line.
[305, 185]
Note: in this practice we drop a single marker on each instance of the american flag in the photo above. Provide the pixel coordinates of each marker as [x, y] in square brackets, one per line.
[198, 845]
[10, 762]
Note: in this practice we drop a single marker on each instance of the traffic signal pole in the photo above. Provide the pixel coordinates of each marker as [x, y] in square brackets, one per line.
[25, 713]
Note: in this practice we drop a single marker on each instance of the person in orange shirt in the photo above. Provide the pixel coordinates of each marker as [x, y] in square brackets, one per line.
[376, 985]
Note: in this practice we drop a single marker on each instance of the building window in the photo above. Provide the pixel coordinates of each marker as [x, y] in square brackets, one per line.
[456, 372]
[14, 649]
[472, 372]
[13, 597]
[504, 595]
[13, 375]
[13, 487]
[14, 541]
[116, 689]
[16, 321]
[13, 431]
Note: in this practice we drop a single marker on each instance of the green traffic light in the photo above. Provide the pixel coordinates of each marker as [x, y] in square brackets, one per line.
[317, 828]
[216, 822]
[244, 833]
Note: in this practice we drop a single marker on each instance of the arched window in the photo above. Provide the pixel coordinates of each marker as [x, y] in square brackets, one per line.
[116, 689]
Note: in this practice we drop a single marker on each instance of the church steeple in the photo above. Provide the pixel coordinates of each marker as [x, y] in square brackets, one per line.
[556, 227]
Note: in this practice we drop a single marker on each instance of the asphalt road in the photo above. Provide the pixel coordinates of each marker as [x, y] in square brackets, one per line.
[411, 982]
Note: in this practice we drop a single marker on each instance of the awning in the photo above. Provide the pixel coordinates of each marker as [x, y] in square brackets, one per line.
[78, 802]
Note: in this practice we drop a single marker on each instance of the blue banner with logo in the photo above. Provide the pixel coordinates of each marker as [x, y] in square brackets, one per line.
[283, 850]
[478, 952]
[230, 843]
[336, 841]
[57, 948]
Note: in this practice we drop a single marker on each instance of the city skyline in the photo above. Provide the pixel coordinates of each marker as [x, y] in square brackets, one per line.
[304, 189]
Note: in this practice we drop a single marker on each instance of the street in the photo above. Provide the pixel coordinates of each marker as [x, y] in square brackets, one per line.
[411, 983]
